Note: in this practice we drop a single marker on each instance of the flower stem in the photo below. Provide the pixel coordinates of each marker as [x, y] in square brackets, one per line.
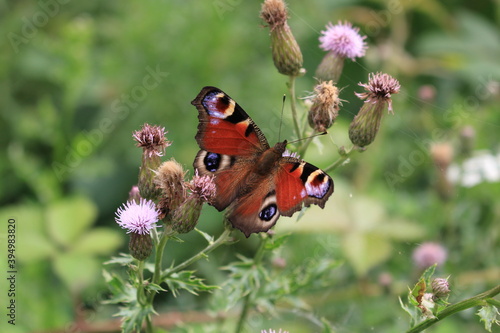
[141, 299]
[223, 238]
[149, 324]
[457, 307]
[247, 302]
[293, 104]
[344, 157]
[158, 260]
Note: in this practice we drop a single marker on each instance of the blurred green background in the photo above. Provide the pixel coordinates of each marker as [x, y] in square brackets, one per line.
[77, 78]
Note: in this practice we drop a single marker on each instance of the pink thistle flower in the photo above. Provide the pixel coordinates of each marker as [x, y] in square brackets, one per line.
[138, 218]
[343, 40]
[428, 254]
[379, 88]
[152, 140]
[203, 187]
[288, 153]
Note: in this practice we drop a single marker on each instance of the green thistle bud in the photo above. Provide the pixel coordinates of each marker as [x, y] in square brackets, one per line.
[366, 124]
[134, 194]
[325, 106]
[440, 287]
[467, 138]
[442, 155]
[330, 67]
[153, 142]
[186, 216]
[140, 246]
[286, 52]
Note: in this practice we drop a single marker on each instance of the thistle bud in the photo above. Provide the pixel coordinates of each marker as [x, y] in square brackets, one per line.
[186, 216]
[341, 41]
[153, 142]
[442, 155]
[440, 287]
[170, 179]
[286, 52]
[134, 194]
[467, 138]
[366, 124]
[140, 246]
[325, 106]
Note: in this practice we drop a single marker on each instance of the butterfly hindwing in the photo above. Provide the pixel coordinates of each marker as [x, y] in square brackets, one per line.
[300, 183]
[229, 171]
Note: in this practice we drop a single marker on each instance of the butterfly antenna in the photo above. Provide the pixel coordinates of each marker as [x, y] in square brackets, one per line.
[281, 119]
[310, 137]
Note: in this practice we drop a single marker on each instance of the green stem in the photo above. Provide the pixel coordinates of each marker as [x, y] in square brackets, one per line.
[303, 147]
[141, 297]
[293, 105]
[342, 158]
[457, 307]
[158, 261]
[149, 324]
[247, 302]
[223, 238]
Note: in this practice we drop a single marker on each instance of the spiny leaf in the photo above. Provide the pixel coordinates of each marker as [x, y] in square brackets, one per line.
[488, 314]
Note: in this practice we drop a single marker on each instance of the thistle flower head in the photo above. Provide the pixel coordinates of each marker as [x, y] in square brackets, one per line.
[442, 155]
[287, 56]
[344, 40]
[325, 106]
[379, 89]
[203, 187]
[288, 153]
[138, 218]
[274, 13]
[152, 140]
[428, 254]
[185, 217]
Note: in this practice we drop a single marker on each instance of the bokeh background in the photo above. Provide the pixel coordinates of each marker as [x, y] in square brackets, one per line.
[78, 77]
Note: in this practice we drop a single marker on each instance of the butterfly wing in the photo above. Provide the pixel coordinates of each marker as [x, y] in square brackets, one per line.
[225, 128]
[230, 142]
[294, 184]
[301, 184]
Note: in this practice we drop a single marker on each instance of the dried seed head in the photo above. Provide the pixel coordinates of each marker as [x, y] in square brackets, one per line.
[170, 179]
[325, 106]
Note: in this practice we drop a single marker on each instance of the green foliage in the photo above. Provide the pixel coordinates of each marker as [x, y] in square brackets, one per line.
[489, 314]
[186, 280]
[68, 111]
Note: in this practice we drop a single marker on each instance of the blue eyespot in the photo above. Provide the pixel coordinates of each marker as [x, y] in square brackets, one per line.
[268, 212]
[212, 161]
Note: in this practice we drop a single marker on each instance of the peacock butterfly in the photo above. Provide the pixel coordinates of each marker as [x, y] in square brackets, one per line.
[258, 183]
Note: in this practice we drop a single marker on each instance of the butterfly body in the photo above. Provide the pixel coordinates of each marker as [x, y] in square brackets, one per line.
[256, 182]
